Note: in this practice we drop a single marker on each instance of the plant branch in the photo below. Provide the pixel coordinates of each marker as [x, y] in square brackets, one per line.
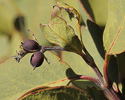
[85, 77]
[98, 73]
[91, 63]
[112, 95]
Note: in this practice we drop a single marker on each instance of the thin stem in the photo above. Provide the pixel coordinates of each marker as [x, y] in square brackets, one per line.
[98, 73]
[51, 48]
[32, 34]
[85, 77]
[94, 67]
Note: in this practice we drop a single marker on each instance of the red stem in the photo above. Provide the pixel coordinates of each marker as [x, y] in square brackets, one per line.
[85, 77]
[105, 71]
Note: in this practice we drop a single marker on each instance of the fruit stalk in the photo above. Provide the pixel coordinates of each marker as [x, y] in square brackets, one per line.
[51, 48]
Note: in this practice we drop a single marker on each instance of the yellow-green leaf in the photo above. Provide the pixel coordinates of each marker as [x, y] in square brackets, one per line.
[58, 32]
[114, 34]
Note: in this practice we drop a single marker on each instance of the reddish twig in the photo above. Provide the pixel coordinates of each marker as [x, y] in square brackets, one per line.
[105, 71]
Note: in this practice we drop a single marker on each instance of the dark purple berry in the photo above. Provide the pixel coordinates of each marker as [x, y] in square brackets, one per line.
[37, 59]
[30, 45]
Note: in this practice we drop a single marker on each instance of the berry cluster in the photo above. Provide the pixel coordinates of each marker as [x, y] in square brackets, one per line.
[31, 46]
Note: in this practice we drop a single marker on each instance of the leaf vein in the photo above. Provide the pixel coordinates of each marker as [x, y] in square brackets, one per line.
[116, 36]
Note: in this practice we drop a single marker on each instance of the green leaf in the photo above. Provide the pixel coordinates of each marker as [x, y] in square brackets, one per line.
[94, 10]
[71, 16]
[99, 9]
[85, 15]
[57, 93]
[114, 32]
[96, 34]
[69, 9]
[58, 32]
[16, 79]
[77, 64]
[72, 3]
